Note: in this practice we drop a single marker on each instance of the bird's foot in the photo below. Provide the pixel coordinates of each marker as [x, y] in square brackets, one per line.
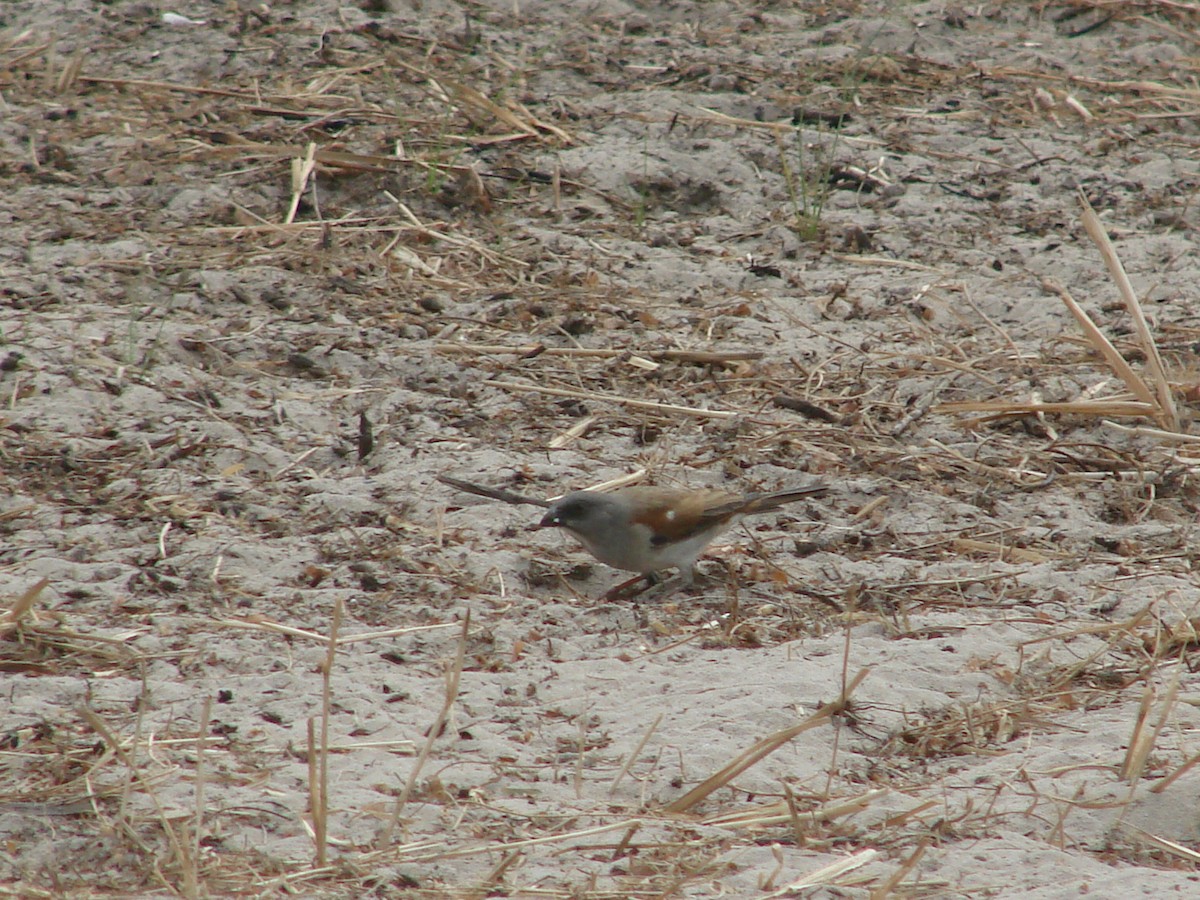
[634, 587]
[638, 585]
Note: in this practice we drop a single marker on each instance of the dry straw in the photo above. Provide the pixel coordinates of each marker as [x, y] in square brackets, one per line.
[453, 677]
[21, 607]
[762, 749]
[1154, 400]
[318, 750]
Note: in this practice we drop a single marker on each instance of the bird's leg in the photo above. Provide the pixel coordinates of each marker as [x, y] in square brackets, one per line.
[684, 581]
[624, 590]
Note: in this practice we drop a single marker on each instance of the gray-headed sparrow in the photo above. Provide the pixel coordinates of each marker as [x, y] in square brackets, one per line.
[648, 529]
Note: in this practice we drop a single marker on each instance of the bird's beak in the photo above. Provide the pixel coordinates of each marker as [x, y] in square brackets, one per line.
[549, 520]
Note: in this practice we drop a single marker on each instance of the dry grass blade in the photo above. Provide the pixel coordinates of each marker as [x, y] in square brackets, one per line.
[467, 98]
[613, 398]
[1021, 477]
[17, 511]
[259, 623]
[635, 753]
[776, 813]
[246, 151]
[192, 877]
[454, 239]
[999, 409]
[570, 435]
[1142, 742]
[1104, 346]
[18, 39]
[720, 118]
[509, 846]
[254, 96]
[70, 72]
[453, 676]
[884, 890]
[302, 170]
[490, 885]
[178, 847]
[1168, 414]
[1190, 764]
[620, 481]
[698, 357]
[20, 607]
[1118, 633]
[1007, 552]
[1155, 433]
[319, 787]
[1185, 853]
[826, 874]
[762, 749]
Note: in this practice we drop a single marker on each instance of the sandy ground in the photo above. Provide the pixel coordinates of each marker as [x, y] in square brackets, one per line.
[230, 380]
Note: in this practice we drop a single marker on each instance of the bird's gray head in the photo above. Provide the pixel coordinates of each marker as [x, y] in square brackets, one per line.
[583, 512]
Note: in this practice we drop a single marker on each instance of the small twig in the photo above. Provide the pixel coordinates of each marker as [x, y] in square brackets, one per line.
[295, 462]
[793, 813]
[623, 844]
[580, 748]
[806, 408]
[492, 493]
[920, 408]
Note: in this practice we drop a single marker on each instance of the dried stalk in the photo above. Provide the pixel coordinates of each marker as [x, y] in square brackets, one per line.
[1168, 415]
[613, 398]
[762, 749]
[319, 788]
[11, 618]
[453, 675]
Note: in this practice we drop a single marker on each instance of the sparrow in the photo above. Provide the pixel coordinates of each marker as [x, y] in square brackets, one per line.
[648, 529]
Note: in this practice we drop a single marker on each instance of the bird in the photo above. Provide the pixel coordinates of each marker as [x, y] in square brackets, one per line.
[647, 529]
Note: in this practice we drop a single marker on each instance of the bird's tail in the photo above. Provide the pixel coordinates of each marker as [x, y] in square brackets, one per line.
[755, 503]
[761, 502]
